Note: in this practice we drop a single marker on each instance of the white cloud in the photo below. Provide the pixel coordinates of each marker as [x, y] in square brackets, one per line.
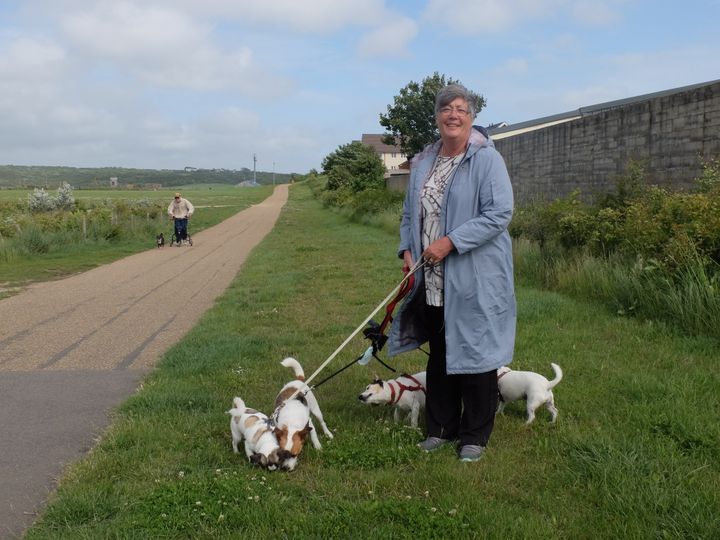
[594, 12]
[480, 16]
[514, 66]
[28, 60]
[164, 47]
[311, 16]
[494, 16]
[389, 40]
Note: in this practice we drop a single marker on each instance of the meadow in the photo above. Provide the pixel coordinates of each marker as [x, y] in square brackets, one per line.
[50, 245]
[634, 453]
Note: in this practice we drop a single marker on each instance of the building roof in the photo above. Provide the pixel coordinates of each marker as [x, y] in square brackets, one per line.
[376, 142]
[530, 125]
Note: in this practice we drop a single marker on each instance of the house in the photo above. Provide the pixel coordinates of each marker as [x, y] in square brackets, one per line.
[390, 155]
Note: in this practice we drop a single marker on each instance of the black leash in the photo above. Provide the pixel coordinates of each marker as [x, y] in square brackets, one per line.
[326, 379]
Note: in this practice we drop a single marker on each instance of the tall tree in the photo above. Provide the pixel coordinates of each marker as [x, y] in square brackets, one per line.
[410, 121]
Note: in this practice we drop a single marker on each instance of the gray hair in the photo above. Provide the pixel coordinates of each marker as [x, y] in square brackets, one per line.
[451, 92]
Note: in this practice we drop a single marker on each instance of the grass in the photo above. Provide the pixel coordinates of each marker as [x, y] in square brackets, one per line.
[688, 299]
[634, 453]
[213, 205]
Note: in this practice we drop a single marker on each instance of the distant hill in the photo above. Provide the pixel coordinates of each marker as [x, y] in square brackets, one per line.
[14, 176]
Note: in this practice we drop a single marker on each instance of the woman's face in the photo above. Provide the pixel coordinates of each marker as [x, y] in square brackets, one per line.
[454, 121]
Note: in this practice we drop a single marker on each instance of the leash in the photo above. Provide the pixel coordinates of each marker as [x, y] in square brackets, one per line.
[306, 387]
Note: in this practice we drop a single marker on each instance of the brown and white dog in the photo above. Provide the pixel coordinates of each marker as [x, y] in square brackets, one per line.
[528, 385]
[407, 392]
[261, 444]
[292, 416]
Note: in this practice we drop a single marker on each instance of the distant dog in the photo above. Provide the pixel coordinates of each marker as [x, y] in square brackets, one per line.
[533, 387]
[292, 416]
[261, 444]
[160, 240]
[407, 392]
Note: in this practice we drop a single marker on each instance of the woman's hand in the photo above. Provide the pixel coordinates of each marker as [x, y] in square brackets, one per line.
[438, 250]
[407, 261]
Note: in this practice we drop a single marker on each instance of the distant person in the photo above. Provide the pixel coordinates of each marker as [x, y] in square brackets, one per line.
[455, 218]
[180, 210]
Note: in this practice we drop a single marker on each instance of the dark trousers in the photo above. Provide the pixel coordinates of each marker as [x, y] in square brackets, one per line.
[181, 228]
[457, 406]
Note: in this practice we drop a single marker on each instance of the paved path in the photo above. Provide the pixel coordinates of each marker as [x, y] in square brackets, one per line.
[74, 349]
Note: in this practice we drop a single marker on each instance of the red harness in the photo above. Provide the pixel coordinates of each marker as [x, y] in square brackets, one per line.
[403, 388]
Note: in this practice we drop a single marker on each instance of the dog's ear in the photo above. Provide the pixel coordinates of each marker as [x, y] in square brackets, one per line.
[259, 460]
[377, 380]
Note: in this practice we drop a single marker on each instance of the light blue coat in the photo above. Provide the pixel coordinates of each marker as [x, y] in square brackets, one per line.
[479, 298]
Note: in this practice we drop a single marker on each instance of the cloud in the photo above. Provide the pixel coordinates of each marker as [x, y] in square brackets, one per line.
[309, 16]
[389, 40]
[27, 60]
[514, 66]
[494, 16]
[164, 47]
[594, 12]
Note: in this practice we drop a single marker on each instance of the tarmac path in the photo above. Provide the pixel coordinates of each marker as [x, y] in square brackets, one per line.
[72, 350]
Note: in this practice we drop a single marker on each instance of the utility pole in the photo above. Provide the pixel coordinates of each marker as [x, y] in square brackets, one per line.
[254, 172]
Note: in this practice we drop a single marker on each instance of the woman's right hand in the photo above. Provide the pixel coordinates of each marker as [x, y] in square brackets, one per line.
[407, 261]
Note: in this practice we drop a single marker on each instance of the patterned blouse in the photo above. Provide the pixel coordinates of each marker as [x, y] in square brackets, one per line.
[431, 198]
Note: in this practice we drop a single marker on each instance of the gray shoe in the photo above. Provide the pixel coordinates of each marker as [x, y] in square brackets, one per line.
[432, 443]
[471, 452]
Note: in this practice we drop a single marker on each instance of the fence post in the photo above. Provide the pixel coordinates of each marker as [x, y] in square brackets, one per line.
[84, 228]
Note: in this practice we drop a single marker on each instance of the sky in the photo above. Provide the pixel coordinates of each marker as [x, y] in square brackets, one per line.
[165, 84]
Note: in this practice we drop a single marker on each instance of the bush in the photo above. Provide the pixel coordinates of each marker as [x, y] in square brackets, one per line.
[642, 250]
[40, 201]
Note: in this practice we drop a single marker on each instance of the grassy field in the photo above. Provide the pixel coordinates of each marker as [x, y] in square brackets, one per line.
[634, 453]
[213, 203]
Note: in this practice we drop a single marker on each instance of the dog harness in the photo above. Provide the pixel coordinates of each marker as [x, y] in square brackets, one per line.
[403, 388]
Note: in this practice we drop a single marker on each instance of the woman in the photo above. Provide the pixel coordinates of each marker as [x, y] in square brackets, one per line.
[180, 210]
[455, 217]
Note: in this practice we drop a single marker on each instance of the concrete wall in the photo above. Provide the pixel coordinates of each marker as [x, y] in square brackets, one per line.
[669, 133]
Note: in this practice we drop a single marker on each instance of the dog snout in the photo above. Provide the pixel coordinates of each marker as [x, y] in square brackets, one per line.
[362, 397]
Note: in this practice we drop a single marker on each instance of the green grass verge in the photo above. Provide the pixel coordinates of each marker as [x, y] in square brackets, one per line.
[634, 453]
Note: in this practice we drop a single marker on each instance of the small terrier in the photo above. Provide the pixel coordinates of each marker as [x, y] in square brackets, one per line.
[292, 416]
[261, 444]
[160, 240]
[407, 392]
[533, 387]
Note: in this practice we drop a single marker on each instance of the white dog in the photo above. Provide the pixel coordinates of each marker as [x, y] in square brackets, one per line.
[292, 416]
[407, 392]
[261, 444]
[533, 387]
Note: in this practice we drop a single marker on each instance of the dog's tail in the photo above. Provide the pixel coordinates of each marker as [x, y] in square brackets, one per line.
[558, 376]
[238, 407]
[296, 367]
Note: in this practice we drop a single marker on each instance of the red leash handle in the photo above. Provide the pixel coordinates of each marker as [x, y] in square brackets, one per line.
[402, 293]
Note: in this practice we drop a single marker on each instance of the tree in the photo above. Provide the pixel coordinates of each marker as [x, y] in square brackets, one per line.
[355, 166]
[410, 121]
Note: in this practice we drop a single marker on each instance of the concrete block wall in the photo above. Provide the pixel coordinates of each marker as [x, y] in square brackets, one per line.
[670, 134]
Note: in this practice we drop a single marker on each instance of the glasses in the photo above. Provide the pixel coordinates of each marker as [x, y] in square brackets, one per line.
[457, 110]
